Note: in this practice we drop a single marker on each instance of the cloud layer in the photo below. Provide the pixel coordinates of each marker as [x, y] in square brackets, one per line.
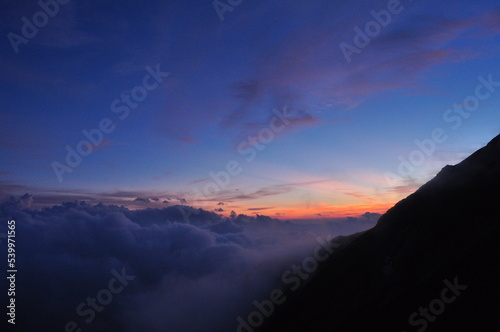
[192, 274]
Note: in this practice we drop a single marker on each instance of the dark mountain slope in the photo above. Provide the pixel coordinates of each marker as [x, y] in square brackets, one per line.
[448, 229]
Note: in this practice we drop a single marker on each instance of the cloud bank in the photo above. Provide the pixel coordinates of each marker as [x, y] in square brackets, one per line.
[184, 275]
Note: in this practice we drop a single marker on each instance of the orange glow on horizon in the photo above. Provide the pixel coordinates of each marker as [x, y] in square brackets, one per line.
[319, 211]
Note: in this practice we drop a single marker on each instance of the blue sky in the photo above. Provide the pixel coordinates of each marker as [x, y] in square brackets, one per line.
[348, 124]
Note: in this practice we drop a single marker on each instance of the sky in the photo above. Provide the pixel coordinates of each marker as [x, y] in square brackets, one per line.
[129, 132]
[292, 109]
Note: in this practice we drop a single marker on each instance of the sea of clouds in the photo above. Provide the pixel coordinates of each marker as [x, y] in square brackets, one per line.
[184, 275]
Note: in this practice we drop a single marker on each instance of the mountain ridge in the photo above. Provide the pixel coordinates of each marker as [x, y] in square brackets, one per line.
[446, 229]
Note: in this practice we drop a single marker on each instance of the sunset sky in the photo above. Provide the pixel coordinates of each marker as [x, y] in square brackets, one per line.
[329, 132]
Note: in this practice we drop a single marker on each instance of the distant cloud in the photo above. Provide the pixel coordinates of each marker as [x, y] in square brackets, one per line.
[370, 215]
[198, 181]
[359, 195]
[147, 199]
[247, 90]
[163, 175]
[266, 191]
[24, 202]
[143, 200]
[49, 197]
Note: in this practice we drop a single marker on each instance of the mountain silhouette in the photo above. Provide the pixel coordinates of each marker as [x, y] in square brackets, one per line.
[432, 262]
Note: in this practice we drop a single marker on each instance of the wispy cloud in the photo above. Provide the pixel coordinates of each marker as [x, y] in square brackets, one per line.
[492, 21]
[162, 176]
[274, 190]
[198, 180]
[261, 209]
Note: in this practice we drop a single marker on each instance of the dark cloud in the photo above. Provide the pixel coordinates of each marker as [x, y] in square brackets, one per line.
[142, 200]
[24, 202]
[260, 209]
[247, 90]
[295, 120]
